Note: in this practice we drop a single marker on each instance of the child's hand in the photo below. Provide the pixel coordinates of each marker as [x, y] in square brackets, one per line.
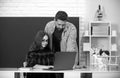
[24, 64]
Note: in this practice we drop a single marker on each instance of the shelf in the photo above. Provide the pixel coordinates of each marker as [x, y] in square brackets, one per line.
[107, 56]
[86, 36]
[114, 34]
[100, 22]
[107, 64]
[100, 35]
[113, 64]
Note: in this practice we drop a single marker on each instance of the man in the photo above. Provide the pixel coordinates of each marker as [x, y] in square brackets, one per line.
[63, 33]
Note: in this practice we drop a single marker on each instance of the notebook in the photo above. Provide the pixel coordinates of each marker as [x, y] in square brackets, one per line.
[64, 61]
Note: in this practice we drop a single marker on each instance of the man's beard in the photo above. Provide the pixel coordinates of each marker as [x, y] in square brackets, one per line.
[60, 29]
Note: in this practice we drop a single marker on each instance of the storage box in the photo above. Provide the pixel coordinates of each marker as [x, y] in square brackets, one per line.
[100, 30]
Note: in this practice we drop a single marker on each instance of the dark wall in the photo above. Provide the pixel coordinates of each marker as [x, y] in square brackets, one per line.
[17, 34]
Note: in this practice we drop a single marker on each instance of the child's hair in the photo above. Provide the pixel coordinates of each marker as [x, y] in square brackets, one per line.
[36, 45]
[40, 36]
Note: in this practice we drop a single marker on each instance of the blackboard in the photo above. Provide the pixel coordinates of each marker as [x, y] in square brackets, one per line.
[17, 34]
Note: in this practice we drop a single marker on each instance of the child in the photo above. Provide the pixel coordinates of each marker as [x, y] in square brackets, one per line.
[40, 52]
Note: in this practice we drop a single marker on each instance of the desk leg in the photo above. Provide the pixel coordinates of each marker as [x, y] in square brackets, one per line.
[22, 75]
[72, 74]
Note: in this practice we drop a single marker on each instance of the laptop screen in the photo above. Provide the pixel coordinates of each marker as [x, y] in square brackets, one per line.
[64, 60]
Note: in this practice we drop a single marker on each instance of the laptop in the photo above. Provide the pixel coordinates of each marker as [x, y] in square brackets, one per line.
[64, 61]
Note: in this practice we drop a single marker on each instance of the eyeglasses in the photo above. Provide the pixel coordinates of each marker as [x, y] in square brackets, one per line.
[45, 38]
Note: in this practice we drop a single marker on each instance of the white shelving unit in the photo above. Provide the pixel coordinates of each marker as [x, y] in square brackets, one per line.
[100, 36]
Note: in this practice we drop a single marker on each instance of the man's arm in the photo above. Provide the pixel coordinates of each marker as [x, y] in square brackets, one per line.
[49, 29]
[71, 43]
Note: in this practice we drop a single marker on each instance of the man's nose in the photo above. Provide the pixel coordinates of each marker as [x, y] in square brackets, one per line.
[60, 26]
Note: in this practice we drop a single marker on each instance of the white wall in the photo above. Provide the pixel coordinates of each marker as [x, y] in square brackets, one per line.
[111, 7]
[41, 7]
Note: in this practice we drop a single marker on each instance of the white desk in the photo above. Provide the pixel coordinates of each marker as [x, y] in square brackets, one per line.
[10, 73]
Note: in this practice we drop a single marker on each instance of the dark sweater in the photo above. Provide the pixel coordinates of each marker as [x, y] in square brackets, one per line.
[39, 56]
[56, 40]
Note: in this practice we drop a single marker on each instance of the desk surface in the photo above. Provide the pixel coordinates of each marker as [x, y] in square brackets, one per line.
[33, 70]
[40, 70]
[10, 73]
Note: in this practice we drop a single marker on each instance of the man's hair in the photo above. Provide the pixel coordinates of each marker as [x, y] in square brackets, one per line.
[62, 15]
